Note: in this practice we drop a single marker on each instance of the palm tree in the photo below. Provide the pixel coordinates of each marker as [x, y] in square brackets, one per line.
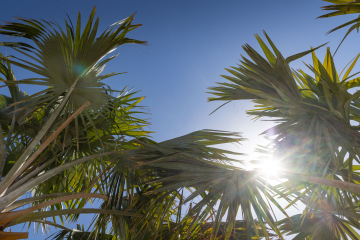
[74, 141]
[36, 154]
[316, 136]
[66, 153]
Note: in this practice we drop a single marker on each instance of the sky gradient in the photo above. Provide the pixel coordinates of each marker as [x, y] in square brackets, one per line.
[189, 45]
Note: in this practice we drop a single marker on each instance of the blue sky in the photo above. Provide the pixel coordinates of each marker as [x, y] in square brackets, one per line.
[189, 45]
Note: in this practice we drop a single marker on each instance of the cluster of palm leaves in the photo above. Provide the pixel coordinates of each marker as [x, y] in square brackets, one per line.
[78, 141]
[316, 135]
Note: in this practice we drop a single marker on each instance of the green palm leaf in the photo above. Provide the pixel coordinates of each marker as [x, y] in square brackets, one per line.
[343, 7]
[154, 175]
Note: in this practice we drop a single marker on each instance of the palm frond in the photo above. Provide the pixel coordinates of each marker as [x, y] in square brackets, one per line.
[149, 180]
[343, 7]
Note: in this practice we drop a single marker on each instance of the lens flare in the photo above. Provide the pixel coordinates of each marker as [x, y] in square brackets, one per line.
[79, 68]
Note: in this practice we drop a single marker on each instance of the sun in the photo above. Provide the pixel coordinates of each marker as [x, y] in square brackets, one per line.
[269, 168]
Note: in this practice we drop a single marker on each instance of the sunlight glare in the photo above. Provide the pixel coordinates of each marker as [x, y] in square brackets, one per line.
[269, 167]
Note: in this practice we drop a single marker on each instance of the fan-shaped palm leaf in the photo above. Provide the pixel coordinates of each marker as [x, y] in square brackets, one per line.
[68, 61]
[153, 176]
[323, 220]
[315, 134]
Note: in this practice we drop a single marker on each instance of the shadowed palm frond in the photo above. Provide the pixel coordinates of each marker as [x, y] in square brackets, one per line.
[316, 138]
[307, 109]
[68, 63]
[323, 220]
[149, 180]
[55, 150]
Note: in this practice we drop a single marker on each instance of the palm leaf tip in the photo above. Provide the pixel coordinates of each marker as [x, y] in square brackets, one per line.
[78, 55]
[343, 7]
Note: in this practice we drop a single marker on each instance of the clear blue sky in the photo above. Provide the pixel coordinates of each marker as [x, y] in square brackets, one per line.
[189, 45]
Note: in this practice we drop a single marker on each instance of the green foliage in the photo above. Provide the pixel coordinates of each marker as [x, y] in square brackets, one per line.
[343, 7]
[50, 145]
[316, 135]
[67, 154]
